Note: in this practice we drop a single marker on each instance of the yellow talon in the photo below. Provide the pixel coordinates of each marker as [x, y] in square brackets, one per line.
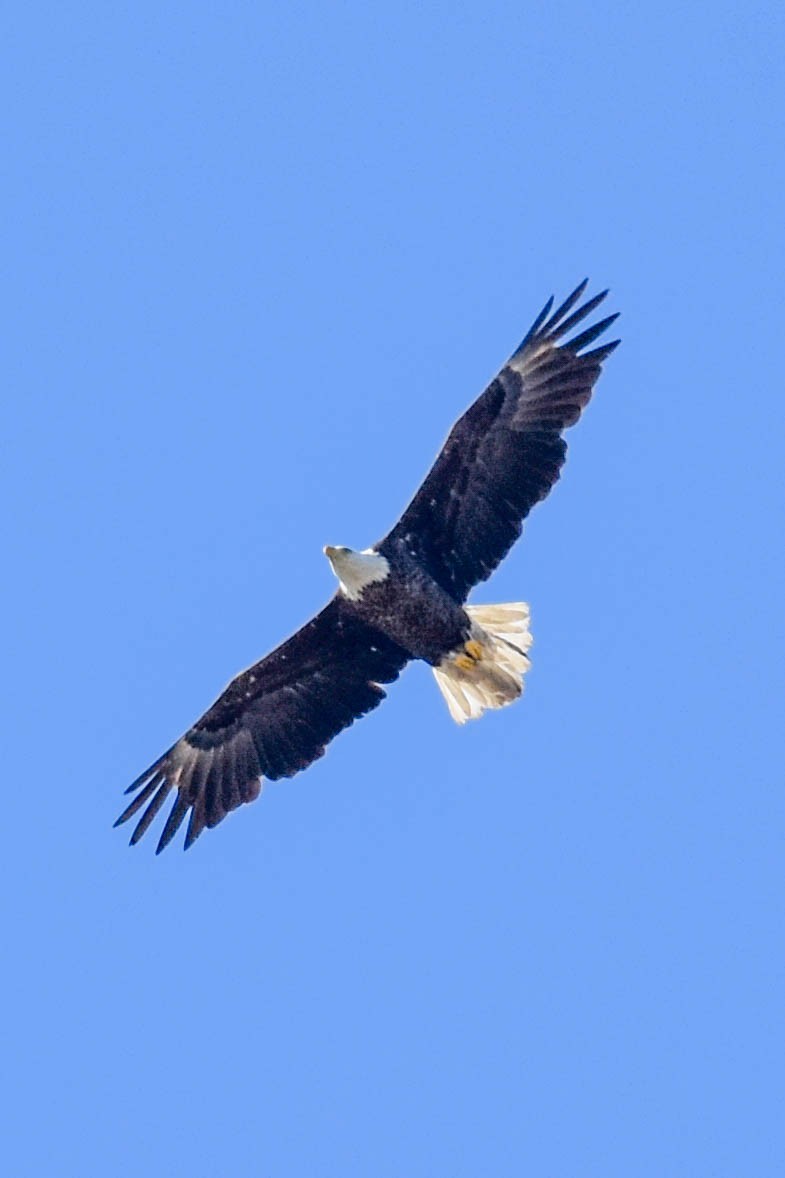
[473, 649]
[465, 662]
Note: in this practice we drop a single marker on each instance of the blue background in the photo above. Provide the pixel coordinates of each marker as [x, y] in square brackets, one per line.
[258, 258]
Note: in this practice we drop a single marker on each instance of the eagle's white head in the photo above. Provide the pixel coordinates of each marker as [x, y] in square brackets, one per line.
[355, 570]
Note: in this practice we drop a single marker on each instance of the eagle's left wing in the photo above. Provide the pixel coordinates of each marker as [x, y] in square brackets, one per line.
[505, 453]
[271, 721]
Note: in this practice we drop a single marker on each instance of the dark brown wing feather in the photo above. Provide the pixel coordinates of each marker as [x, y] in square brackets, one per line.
[505, 453]
[273, 720]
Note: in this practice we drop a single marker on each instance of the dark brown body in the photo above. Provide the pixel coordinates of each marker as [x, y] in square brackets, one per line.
[412, 609]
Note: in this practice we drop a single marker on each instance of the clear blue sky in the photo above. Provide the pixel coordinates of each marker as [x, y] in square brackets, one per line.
[259, 257]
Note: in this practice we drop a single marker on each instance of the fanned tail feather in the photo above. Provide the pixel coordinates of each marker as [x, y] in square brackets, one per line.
[470, 685]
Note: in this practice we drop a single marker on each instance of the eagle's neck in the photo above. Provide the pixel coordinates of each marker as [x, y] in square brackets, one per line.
[356, 570]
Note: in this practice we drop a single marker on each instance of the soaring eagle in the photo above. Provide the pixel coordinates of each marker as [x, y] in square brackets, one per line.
[404, 598]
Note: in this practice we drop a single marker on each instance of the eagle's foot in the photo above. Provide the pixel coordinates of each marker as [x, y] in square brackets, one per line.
[470, 656]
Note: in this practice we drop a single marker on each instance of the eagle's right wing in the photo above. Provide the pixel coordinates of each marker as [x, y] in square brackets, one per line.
[505, 453]
[271, 721]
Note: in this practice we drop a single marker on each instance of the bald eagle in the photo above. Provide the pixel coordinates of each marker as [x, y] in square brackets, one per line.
[403, 598]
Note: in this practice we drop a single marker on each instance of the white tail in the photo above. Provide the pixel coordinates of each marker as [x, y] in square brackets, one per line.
[488, 671]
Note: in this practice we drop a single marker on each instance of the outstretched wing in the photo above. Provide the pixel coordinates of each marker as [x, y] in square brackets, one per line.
[505, 453]
[273, 720]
